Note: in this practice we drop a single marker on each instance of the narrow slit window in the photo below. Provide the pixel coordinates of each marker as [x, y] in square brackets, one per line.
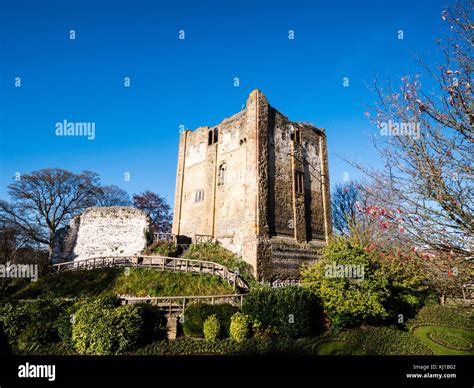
[221, 174]
[299, 182]
[198, 195]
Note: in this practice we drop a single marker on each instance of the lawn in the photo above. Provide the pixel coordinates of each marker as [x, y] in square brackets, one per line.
[113, 281]
[338, 348]
[446, 341]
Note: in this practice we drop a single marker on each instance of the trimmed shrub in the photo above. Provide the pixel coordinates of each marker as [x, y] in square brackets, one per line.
[440, 315]
[250, 346]
[4, 347]
[240, 327]
[212, 328]
[65, 328]
[290, 311]
[32, 324]
[195, 315]
[101, 328]
[450, 340]
[385, 341]
[153, 323]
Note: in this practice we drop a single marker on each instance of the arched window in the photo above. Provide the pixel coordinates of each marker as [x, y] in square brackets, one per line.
[221, 174]
[213, 136]
[209, 138]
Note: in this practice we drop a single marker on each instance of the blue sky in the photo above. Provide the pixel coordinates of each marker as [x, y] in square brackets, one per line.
[190, 82]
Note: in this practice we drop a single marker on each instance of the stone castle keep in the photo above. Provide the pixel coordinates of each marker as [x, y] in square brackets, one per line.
[258, 184]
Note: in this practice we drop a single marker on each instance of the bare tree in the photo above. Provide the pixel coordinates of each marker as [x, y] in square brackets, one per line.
[157, 209]
[427, 144]
[344, 198]
[112, 196]
[46, 200]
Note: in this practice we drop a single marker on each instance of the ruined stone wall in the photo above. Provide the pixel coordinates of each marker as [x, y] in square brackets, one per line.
[105, 231]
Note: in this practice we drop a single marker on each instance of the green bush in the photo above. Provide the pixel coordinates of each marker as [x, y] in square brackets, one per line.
[291, 311]
[163, 248]
[195, 315]
[30, 325]
[52, 349]
[65, 328]
[100, 327]
[388, 286]
[153, 323]
[240, 327]
[212, 328]
[348, 301]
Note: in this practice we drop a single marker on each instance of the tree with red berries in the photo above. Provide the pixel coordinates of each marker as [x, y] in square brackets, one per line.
[426, 143]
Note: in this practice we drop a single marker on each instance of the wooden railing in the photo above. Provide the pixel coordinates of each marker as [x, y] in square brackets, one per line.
[203, 239]
[163, 263]
[159, 236]
[175, 305]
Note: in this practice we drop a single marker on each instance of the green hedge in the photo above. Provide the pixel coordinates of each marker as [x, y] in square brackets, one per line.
[195, 315]
[101, 328]
[450, 340]
[292, 311]
[384, 341]
[30, 325]
[250, 346]
[4, 346]
[439, 315]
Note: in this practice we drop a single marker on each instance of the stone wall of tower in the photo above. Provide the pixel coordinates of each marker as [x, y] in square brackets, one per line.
[227, 212]
[257, 213]
[291, 214]
[297, 220]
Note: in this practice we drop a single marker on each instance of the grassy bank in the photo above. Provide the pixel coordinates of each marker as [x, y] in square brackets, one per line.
[115, 281]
